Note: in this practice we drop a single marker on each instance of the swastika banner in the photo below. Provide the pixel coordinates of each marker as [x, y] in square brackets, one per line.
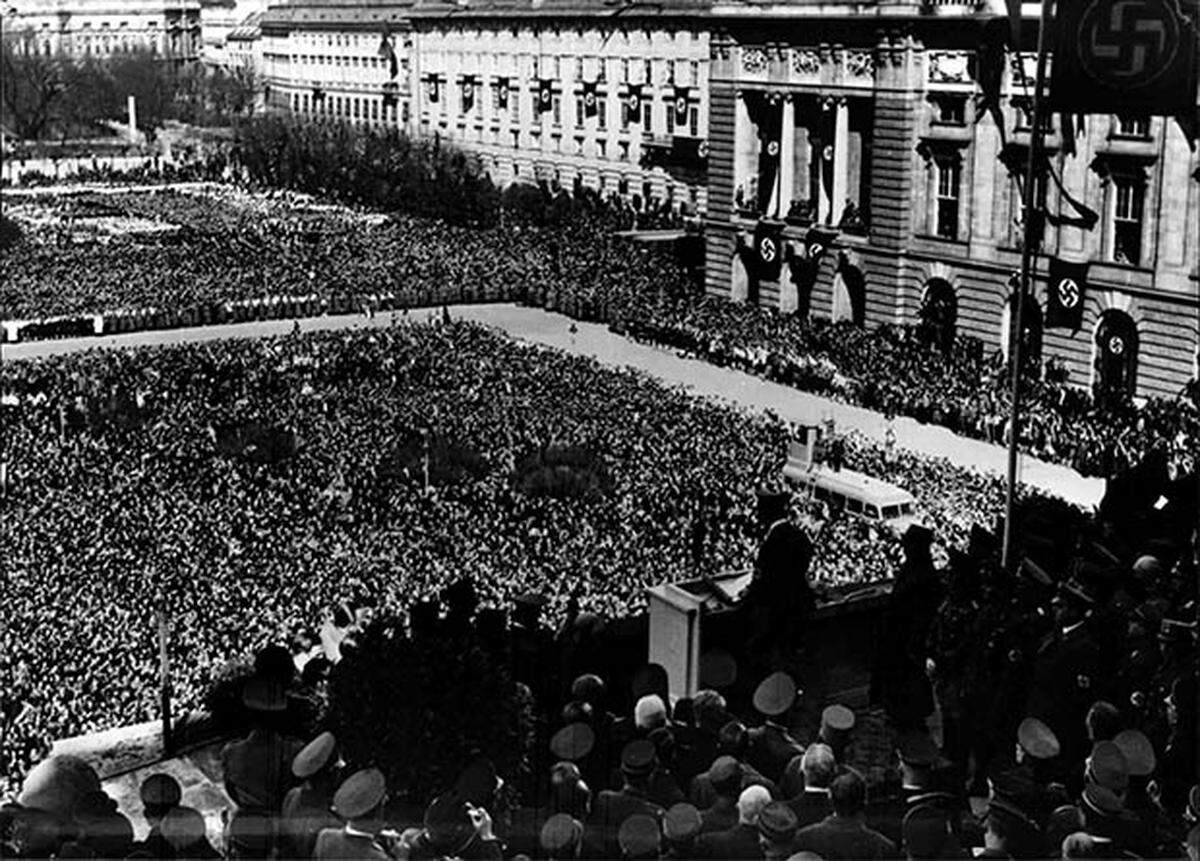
[1065, 290]
[1117, 56]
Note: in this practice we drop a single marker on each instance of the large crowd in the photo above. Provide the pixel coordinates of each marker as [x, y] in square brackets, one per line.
[235, 246]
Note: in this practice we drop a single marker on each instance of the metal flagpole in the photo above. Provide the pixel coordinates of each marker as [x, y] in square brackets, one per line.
[1027, 251]
[164, 692]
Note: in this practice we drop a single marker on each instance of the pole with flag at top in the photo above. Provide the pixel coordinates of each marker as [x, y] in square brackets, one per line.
[1027, 251]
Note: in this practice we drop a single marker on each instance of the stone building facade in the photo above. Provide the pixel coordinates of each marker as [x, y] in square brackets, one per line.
[847, 146]
[101, 28]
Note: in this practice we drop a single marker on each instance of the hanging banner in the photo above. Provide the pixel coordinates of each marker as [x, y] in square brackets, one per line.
[589, 99]
[432, 90]
[1065, 293]
[769, 133]
[681, 106]
[633, 102]
[502, 93]
[468, 93]
[545, 95]
[768, 250]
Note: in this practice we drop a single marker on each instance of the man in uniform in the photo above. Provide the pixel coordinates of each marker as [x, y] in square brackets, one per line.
[916, 756]
[359, 803]
[306, 808]
[638, 762]
[771, 747]
[1026, 783]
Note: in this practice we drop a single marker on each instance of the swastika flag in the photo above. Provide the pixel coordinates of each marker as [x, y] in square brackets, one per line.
[768, 250]
[1117, 56]
[1065, 291]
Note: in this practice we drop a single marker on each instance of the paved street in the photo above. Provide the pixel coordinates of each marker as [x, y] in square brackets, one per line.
[595, 340]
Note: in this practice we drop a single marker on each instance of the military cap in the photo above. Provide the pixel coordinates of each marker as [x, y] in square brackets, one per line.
[478, 781]
[1147, 566]
[1106, 765]
[448, 826]
[160, 791]
[1139, 753]
[359, 794]
[183, 827]
[588, 688]
[263, 694]
[926, 832]
[1037, 739]
[777, 822]
[649, 679]
[724, 769]
[573, 742]
[775, 694]
[1077, 589]
[56, 783]
[639, 836]
[917, 749]
[1007, 810]
[718, 669]
[638, 758]
[917, 536]
[1102, 811]
[314, 756]
[560, 834]
[682, 822]
[836, 720]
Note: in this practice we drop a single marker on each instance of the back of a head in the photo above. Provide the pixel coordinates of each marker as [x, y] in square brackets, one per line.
[1082, 845]
[819, 766]
[751, 802]
[733, 739]
[709, 710]
[650, 712]
[848, 794]
[1103, 721]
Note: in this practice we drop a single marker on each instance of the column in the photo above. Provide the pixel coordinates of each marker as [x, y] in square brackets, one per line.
[743, 151]
[787, 157]
[841, 145]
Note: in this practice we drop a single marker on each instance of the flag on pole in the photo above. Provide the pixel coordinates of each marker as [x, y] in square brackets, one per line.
[1065, 294]
[387, 50]
[1125, 56]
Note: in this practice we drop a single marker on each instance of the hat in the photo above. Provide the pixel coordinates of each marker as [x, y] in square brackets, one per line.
[1037, 739]
[183, 827]
[1107, 766]
[55, 784]
[314, 756]
[917, 536]
[1139, 753]
[724, 770]
[1009, 811]
[1147, 566]
[574, 741]
[926, 832]
[1077, 589]
[649, 712]
[359, 794]
[265, 695]
[478, 781]
[560, 834]
[637, 758]
[777, 822]
[649, 679]
[775, 694]
[836, 720]
[718, 669]
[916, 749]
[638, 836]
[448, 826]
[1101, 812]
[682, 822]
[588, 688]
[160, 791]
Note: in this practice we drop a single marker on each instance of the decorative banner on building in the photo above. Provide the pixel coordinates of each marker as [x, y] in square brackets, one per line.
[806, 265]
[545, 95]
[1064, 294]
[817, 241]
[432, 88]
[768, 250]
[318, 94]
[1118, 56]
[468, 93]
[502, 93]
[387, 50]
[589, 99]
[633, 102]
[769, 133]
[689, 151]
[681, 106]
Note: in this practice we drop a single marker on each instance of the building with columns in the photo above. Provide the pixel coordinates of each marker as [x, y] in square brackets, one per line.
[613, 95]
[101, 28]
[857, 172]
[338, 60]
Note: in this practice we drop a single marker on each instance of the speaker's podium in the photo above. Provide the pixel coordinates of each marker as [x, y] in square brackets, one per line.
[677, 614]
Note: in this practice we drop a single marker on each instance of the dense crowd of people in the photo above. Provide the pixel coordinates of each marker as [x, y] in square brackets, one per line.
[235, 247]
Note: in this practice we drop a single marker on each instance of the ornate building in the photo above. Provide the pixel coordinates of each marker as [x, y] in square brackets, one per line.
[338, 60]
[857, 171]
[219, 19]
[610, 95]
[170, 28]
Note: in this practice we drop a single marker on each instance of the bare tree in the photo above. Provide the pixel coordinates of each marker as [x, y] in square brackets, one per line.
[32, 84]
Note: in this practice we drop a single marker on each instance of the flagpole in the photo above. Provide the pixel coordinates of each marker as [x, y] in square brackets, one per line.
[1027, 251]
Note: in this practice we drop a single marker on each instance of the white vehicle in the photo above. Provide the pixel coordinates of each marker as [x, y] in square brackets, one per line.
[857, 493]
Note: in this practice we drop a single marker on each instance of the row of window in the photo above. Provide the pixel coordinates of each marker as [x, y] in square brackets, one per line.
[681, 72]
[342, 62]
[952, 111]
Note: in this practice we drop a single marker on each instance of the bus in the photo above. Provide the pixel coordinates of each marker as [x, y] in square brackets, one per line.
[857, 493]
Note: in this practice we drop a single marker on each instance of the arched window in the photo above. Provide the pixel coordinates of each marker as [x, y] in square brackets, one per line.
[938, 315]
[1116, 357]
[849, 292]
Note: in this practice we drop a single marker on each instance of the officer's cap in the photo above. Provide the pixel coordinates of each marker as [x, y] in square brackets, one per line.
[1139, 753]
[718, 669]
[775, 694]
[314, 756]
[637, 758]
[682, 822]
[573, 742]
[359, 794]
[561, 834]
[1108, 767]
[916, 749]
[638, 836]
[1037, 739]
[777, 822]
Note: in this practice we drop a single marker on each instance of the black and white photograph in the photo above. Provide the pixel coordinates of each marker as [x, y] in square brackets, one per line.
[613, 430]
